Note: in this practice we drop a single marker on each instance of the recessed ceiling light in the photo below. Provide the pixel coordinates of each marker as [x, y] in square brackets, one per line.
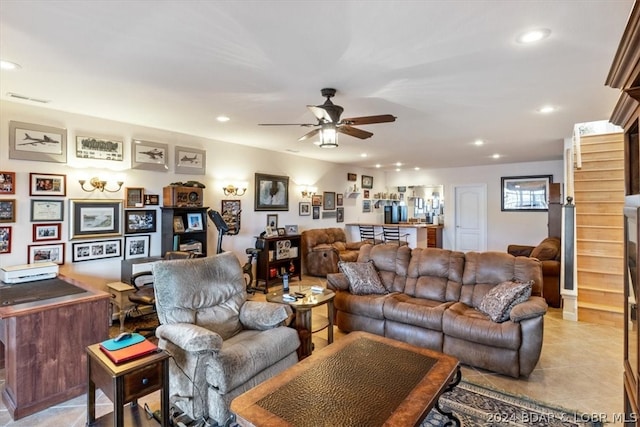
[398, 164]
[378, 165]
[223, 119]
[546, 109]
[397, 169]
[363, 155]
[533, 36]
[496, 156]
[416, 168]
[478, 142]
[7, 65]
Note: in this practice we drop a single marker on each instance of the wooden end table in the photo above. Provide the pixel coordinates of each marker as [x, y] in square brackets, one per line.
[120, 292]
[302, 308]
[126, 383]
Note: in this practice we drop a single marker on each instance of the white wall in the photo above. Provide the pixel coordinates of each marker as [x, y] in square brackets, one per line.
[504, 228]
[224, 161]
[230, 161]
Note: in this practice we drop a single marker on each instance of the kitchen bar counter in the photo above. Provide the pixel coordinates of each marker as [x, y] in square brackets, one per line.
[419, 235]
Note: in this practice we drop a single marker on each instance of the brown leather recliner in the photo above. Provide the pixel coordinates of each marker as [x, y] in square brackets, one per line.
[322, 248]
[548, 252]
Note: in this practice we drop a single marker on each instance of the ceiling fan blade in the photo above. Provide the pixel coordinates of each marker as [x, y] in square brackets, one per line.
[287, 124]
[368, 120]
[355, 132]
[309, 135]
[320, 113]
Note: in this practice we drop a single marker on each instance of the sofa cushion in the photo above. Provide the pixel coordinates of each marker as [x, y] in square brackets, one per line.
[499, 301]
[339, 246]
[363, 278]
[548, 249]
[421, 312]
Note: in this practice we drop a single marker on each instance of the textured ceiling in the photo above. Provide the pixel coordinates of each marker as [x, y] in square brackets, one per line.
[450, 71]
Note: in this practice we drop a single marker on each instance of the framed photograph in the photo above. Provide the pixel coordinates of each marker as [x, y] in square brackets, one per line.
[95, 218]
[291, 229]
[5, 240]
[328, 200]
[304, 209]
[47, 184]
[339, 214]
[402, 189]
[136, 246]
[191, 161]
[47, 210]
[367, 181]
[316, 212]
[8, 210]
[352, 176]
[151, 199]
[151, 156]
[272, 193]
[53, 252]
[7, 183]
[90, 147]
[525, 193]
[178, 224]
[36, 142]
[366, 206]
[133, 197]
[272, 220]
[231, 214]
[43, 232]
[281, 232]
[365, 194]
[89, 251]
[316, 200]
[194, 221]
[339, 199]
[140, 221]
[271, 231]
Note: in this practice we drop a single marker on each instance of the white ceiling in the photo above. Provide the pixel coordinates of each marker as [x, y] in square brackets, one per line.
[450, 71]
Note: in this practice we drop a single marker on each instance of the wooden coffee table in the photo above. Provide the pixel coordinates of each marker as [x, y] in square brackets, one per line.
[361, 380]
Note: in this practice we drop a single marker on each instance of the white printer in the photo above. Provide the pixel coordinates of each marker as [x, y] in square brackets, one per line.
[28, 272]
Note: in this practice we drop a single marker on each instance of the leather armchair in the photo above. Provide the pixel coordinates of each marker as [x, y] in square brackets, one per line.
[222, 345]
[322, 248]
[548, 252]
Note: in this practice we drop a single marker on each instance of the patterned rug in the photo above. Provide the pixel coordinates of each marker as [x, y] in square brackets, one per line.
[131, 323]
[478, 406]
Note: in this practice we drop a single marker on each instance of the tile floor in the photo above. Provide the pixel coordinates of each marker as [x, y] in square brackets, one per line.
[580, 368]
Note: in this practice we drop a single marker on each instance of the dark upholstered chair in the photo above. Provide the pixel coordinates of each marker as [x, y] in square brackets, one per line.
[143, 282]
[221, 344]
[322, 248]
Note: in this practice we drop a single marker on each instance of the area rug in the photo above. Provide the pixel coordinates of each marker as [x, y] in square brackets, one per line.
[479, 406]
[131, 323]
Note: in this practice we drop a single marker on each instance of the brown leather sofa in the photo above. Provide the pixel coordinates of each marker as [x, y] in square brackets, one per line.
[548, 252]
[433, 299]
[322, 248]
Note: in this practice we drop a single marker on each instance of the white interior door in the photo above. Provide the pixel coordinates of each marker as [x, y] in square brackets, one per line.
[471, 217]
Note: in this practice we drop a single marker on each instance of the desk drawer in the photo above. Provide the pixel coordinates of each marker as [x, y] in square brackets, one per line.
[142, 382]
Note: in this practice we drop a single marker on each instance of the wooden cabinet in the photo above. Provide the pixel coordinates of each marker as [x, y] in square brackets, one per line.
[184, 229]
[280, 255]
[434, 237]
[625, 75]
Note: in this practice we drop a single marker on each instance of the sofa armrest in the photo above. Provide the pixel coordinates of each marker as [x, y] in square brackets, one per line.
[533, 307]
[260, 315]
[337, 282]
[520, 250]
[355, 246]
[190, 337]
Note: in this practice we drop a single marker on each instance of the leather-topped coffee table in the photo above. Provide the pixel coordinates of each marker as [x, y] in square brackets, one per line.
[361, 380]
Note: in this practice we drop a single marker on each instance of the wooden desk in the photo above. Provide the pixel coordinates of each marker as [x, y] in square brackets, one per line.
[126, 383]
[44, 348]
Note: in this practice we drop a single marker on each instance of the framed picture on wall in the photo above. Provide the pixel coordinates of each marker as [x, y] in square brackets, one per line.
[140, 221]
[53, 252]
[149, 155]
[339, 214]
[316, 212]
[8, 210]
[7, 183]
[91, 147]
[89, 251]
[191, 161]
[367, 181]
[94, 218]
[29, 141]
[47, 184]
[304, 209]
[272, 193]
[339, 199]
[136, 246]
[525, 193]
[46, 232]
[5, 240]
[328, 200]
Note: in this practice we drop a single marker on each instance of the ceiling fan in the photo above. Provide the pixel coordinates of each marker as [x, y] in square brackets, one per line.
[329, 122]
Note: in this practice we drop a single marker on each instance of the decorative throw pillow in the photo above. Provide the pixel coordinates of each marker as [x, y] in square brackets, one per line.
[499, 301]
[363, 278]
[547, 250]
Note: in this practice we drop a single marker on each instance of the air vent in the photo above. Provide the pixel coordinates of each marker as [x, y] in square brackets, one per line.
[27, 98]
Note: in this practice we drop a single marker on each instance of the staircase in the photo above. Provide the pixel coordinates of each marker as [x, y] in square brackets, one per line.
[599, 199]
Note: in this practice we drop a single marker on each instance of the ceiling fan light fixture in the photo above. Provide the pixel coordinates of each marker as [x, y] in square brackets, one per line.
[328, 137]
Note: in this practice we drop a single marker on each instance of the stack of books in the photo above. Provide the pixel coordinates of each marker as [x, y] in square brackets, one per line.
[127, 349]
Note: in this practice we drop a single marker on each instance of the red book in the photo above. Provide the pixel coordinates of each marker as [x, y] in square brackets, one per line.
[131, 352]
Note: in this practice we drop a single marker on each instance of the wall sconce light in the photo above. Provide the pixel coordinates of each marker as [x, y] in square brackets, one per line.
[99, 185]
[308, 191]
[234, 190]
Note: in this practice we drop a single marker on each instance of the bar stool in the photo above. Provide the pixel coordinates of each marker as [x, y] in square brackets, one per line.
[392, 235]
[368, 234]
